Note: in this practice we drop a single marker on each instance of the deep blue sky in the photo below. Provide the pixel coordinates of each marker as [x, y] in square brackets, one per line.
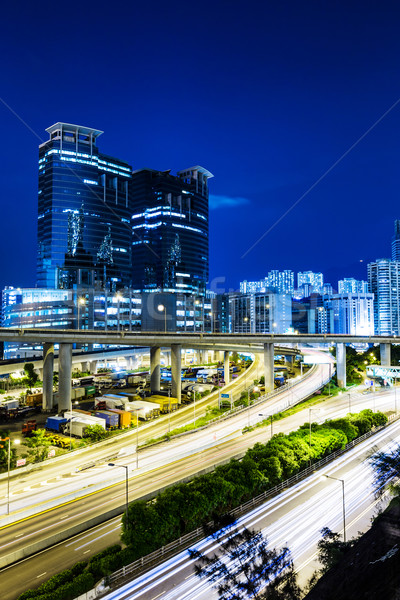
[267, 95]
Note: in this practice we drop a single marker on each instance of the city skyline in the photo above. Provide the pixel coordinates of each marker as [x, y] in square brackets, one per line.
[272, 100]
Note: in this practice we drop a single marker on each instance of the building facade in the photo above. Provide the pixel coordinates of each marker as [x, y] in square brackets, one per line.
[384, 284]
[84, 212]
[348, 285]
[353, 313]
[396, 241]
[313, 281]
[170, 231]
[260, 313]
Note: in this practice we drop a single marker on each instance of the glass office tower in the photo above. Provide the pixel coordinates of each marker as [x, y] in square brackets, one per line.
[85, 206]
[170, 231]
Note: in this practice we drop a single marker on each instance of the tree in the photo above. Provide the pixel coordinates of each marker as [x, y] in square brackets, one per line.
[244, 566]
[386, 468]
[95, 433]
[38, 444]
[31, 374]
[331, 549]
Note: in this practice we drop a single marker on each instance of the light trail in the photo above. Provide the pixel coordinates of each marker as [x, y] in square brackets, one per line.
[294, 519]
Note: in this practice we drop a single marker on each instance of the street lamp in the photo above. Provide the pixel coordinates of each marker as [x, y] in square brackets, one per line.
[8, 467]
[194, 409]
[126, 488]
[268, 417]
[81, 302]
[343, 503]
[245, 320]
[198, 303]
[162, 308]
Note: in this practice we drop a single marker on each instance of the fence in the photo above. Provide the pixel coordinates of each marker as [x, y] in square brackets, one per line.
[190, 538]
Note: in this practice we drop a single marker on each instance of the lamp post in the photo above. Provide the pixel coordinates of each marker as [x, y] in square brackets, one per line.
[162, 308]
[268, 417]
[349, 402]
[245, 320]
[126, 488]
[395, 397]
[194, 409]
[343, 503]
[8, 467]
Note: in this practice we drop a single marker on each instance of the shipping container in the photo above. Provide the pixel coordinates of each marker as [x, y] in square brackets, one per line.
[166, 403]
[55, 423]
[125, 417]
[34, 399]
[90, 391]
[112, 419]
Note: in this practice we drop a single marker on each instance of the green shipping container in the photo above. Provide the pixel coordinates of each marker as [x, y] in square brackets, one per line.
[90, 390]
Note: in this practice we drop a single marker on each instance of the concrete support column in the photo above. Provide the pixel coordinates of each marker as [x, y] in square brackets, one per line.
[40, 374]
[289, 359]
[167, 355]
[64, 377]
[176, 371]
[155, 368]
[226, 367]
[198, 357]
[93, 367]
[341, 364]
[84, 367]
[269, 367]
[48, 369]
[385, 354]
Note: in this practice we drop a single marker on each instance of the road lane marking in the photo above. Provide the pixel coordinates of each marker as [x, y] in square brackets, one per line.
[41, 575]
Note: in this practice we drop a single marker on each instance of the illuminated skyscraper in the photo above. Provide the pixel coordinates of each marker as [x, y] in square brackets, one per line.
[85, 206]
[384, 283]
[396, 241]
[170, 230]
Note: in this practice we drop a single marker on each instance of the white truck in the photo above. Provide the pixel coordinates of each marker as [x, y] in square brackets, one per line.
[78, 423]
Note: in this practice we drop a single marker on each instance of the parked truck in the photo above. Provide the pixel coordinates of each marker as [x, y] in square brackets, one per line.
[111, 418]
[76, 426]
[90, 391]
[55, 423]
[147, 410]
[166, 403]
[28, 427]
[10, 404]
[136, 380]
[125, 417]
[34, 399]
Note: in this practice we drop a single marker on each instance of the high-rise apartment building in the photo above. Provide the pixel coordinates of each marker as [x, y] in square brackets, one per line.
[348, 285]
[353, 313]
[260, 313]
[315, 281]
[280, 282]
[170, 230]
[396, 241]
[384, 283]
[84, 212]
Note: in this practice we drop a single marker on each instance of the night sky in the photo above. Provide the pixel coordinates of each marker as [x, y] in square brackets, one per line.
[266, 95]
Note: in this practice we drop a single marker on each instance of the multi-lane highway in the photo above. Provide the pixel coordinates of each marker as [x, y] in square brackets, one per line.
[32, 571]
[294, 519]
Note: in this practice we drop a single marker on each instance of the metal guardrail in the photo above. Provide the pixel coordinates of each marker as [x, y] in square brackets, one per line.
[188, 539]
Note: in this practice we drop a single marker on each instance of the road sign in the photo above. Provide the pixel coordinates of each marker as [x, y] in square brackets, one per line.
[225, 396]
[21, 462]
[51, 453]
